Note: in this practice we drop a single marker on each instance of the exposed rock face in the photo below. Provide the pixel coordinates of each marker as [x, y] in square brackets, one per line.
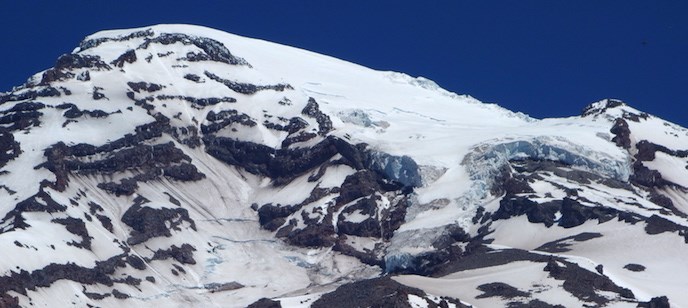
[312, 110]
[23, 281]
[584, 284]
[265, 303]
[127, 57]
[21, 116]
[245, 88]
[656, 302]
[144, 86]
[621, 133]
[76, 61]
[213, 50]
[601, 107]
[500, 289]
[148, 222]
[577, 281]
[68, 62]
[568, 212]
[9, 148]
[182, 254]
[379, 292]
[76, 227]
[40, 202]
[634, 267]
[91, 43]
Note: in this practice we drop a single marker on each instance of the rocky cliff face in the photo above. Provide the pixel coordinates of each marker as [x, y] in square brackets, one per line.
[180, 165]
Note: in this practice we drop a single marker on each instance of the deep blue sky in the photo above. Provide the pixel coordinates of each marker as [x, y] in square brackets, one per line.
[544, 58]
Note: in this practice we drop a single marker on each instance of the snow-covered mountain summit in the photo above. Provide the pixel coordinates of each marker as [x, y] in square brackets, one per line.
[178, 165]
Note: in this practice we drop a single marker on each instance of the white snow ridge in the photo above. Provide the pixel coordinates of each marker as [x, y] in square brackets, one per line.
[180, 166]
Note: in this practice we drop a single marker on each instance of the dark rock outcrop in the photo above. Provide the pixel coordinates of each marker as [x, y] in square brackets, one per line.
[127, 153]
[561, 245]
[656, 302]
[139, 156]
[584, 284]
[199, 102]
[657, 225]
[88, 44]
[30, 94]
[9, 147]
[97, 95]
[536, 303]
[68, 62]
[127, 57]
[73, 112]
[147, 222]
[500, 289]
[213, 50]
[76, 227]
[183, 254]
[225, 118]
[22, 280]
[193, 77]
[184, 172]
[136, 262]
[21, 116]
[144, 86]
[370, 227]
[8, 301]
[573, 213]
[75, 61]
[577, 281]
[119, 295]
[265, 303]
[52, 75]
[536, 212]
[246, 88]
[646, 177]
[40, 202]
[294, 124]
[300, 137]
[312, 110]
[595, 110]
[378, 292]
[622, 134]
[478, 256]
[633, 267]
[281, 165]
